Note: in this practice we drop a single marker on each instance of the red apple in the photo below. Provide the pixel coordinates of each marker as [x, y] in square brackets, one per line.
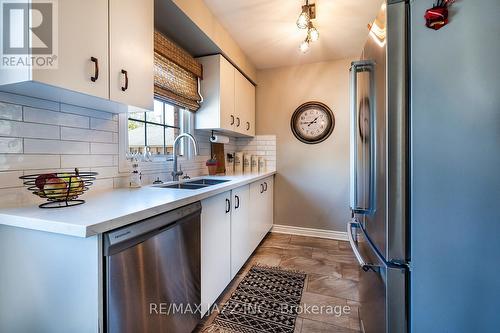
[40, 180]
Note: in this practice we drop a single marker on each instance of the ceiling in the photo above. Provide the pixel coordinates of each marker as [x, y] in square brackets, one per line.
[267, 33]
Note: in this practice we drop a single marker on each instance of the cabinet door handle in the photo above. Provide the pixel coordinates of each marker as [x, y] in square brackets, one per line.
[238, 120]
[228, 205]
[248, 126]
[96, 69]
[232, 120]
[237, 204]
[124, 72]
[265, 186]
[261, 188]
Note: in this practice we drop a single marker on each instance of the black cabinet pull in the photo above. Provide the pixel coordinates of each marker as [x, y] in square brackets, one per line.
[261, 188]
[228, 206]
[248, 125]
[96, 69]
[232, 120]
[265, 186]
[237, 204]
[238, 120]
[124, 72]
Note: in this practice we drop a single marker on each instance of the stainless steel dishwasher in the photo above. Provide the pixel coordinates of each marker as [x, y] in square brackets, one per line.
[152, 272]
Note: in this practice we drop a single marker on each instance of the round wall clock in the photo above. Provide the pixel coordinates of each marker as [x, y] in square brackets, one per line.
[312, 122]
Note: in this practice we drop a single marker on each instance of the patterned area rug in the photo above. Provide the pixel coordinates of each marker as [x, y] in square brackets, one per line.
[266, 300]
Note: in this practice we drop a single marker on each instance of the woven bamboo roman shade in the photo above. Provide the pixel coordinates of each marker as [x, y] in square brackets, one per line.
[176, 74]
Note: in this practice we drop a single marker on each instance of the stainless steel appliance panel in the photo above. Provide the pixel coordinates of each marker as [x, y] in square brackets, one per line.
[375, 52]
[398, 129]
[380, 172]
[154, 262]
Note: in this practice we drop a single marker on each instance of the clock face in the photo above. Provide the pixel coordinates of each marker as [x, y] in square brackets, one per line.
[312, 122]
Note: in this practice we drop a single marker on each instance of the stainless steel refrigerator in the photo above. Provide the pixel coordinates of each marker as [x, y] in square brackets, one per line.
[425, 155]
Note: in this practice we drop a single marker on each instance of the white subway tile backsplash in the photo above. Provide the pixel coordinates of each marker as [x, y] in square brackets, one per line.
[120, 182]
[11, 111]
[10, 179]
[28, 162]
[37, 146]
[105, 172]
[38, 136]
[28, 130]
[260, 145]
[17, 196]
[55, 118]
[103, 148]
[103, 125]
[28, 101]
[81, 161]
[54, 170]
[68, 108]
[80, 134]
[11, 145]
[101, 185]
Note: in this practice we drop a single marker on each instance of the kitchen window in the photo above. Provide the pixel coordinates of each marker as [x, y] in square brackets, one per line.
[156, 130]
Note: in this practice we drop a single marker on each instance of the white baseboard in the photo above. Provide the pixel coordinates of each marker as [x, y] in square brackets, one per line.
[320, 233]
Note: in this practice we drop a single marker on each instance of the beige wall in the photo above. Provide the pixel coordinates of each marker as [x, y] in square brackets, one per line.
[201, 15]
[312, 185]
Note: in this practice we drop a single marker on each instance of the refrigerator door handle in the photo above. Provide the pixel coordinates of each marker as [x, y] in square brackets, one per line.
[364, 265]
[357, 67]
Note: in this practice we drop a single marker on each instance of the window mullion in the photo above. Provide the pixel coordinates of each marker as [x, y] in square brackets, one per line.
[164, 135]
[145, 132]
[151, 127]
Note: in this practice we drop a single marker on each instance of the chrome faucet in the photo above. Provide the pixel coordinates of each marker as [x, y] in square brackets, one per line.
[176, 173]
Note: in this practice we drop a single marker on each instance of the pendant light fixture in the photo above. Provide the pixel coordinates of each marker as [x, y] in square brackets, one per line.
[304, 21]
[304, 17]
[312, 32]
[304, 46]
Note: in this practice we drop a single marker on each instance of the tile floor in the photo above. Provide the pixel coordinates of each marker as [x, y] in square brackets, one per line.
[332, 279]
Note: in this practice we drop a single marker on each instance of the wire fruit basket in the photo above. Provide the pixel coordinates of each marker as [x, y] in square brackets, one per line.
[60, 189]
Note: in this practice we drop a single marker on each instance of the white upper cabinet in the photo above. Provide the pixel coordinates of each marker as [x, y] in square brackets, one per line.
[82, 50]
[96, 39]
[131, 31]
[227, 118]
[244, 104]
[229, 98]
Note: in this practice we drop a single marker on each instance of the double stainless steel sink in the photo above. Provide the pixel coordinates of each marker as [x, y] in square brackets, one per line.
[195, 184]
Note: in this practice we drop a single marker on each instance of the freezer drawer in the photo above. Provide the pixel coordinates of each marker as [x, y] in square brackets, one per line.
[383, 287]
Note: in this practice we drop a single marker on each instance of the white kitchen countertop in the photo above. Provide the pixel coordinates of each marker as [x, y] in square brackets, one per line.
[109, 210]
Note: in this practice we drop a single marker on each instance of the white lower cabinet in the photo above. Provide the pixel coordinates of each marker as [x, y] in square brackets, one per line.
[267, 222]
[261, 210]
[232, 226]
[215, 247]
[240, 246]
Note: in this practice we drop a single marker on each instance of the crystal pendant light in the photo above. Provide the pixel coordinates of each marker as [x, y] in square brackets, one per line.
[312, 32]
[303, 19]
[304, 46]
